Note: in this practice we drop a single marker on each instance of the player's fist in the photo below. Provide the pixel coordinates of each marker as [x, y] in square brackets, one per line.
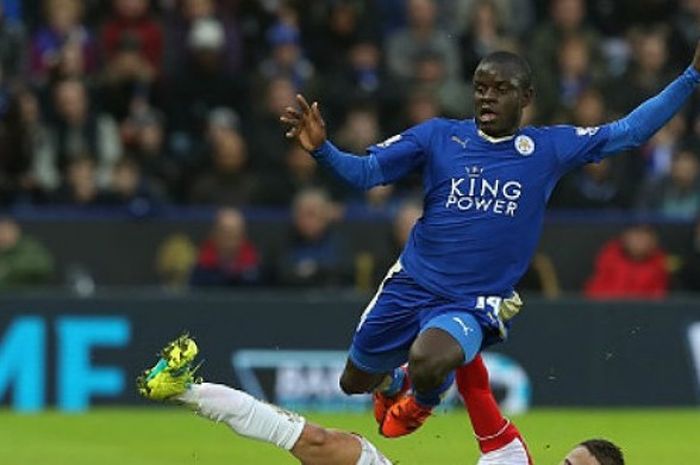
[696, 58]
[306, 124]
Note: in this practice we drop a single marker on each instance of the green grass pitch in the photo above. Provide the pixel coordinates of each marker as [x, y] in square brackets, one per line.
[176, 437]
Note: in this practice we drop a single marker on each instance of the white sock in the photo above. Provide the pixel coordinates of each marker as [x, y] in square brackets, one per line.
[513, 453]
[245, 414]
[370, 455]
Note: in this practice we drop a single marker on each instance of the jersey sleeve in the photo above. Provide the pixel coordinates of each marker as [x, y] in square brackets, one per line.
[399, 155]
[575, 146]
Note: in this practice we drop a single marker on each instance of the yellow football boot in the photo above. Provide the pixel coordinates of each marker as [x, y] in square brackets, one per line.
[173, 373]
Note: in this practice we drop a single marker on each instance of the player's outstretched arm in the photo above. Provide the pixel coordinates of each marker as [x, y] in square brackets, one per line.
[638, 126]
[307, 127]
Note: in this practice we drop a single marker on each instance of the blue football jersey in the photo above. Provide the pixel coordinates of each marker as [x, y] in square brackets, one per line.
[484, 199]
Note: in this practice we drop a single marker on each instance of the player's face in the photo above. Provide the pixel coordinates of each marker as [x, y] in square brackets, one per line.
[580, 456]
[499, 99]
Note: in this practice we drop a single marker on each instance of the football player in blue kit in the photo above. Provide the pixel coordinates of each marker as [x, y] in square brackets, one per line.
[486, 183]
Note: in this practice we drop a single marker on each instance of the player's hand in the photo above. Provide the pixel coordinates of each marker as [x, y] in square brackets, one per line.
[306, 124]
[696, 58]
[510, 307]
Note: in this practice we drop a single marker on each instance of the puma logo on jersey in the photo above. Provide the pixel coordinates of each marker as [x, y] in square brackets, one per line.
[461, 142]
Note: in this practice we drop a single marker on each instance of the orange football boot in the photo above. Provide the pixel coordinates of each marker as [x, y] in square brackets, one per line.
[382, 403]
[404, 417]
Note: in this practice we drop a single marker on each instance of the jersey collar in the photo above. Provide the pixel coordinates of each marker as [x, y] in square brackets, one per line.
[494, 140]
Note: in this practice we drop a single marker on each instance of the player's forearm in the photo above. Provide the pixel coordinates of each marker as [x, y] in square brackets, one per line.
[360, 172]
[638, 126]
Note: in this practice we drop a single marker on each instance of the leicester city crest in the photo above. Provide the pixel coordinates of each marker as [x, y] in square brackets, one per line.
[524, 145]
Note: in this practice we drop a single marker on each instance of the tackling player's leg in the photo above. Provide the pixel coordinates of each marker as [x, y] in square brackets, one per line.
[499, 440]
[173, 378]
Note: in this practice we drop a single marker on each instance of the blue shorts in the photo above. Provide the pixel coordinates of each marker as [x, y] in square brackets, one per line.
[400, 311]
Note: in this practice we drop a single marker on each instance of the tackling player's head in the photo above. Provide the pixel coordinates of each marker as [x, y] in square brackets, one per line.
[502, 89]
[595, 452]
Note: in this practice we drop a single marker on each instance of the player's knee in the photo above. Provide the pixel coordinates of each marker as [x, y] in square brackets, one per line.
[313, 437]
[350, 386]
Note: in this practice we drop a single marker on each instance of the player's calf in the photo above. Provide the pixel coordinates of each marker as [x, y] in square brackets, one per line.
[356, 381]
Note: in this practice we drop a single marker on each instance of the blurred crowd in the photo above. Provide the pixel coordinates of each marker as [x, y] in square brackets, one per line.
[141, 103]
[138, 103]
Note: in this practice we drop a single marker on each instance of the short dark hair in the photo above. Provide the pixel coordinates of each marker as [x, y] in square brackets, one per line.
[517, 63]
[606, 452]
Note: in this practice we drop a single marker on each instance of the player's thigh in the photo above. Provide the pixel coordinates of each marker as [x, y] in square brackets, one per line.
[388, 326]
[447, 340]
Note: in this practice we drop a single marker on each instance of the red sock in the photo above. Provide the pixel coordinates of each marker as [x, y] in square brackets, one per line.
[493, 431]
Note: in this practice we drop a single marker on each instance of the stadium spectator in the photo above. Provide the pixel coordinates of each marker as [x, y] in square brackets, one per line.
[594, 186]
[79, 185]
[287, 57]
[360, 78]
[575, 72]
[343, 24]
[655, 157]
[79, 130]
[24, 261]
[689, 275]
[202, 85]
[23, 139]
[430, 75]
[567, 18]
[608, 184]
[315, 254]
[677, 194]
[360, 129]
[178, 26]
[300, 173]
[267, 145]
[484, 32]
[175, 260]
[516, 17]
[227, 257]
[648, 73]
[12, 47]
[630, 266]
[420, 35]
[131, 189]
[132, 25]
[227, 181]
[144, 139]
[402, 223]
[62, 33]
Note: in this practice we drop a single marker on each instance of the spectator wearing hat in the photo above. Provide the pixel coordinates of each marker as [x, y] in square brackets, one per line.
[178, 26]
[287, 58]
[203, 84]
[227, 257]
